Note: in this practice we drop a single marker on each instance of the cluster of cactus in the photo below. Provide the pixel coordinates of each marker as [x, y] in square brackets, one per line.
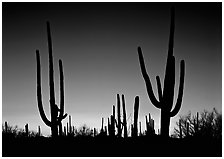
[103, 130]
[57, 115]
[69, 130]
[149, 126]
[117, 123]
[165, 97]
[121, 125]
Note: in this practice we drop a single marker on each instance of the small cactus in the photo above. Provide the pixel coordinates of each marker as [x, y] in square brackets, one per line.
[6, 127]
[39, 131]
[136, 109]
[26, 130]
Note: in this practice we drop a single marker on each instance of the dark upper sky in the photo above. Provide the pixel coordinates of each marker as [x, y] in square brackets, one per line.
[97, 43]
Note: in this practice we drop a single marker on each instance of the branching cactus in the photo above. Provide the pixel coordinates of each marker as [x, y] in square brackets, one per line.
[165, 97]
[55, 119]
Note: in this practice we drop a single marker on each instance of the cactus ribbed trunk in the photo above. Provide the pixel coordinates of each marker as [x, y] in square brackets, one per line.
[53, 107]
[165, 122]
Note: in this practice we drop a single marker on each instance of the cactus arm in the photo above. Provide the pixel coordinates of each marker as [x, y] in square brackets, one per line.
[61, 88]
[181, 88]
[61, 116]
[51, 71]
[159, 88]
[39, 96]
[147, 80]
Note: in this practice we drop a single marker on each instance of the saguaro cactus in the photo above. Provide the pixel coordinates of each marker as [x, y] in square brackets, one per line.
[55, 119]
[39, 131]
[124, 118]
[26, 130]
[136, 108]
[6, 127]
[165, 101]
[119, 124]
[149, 126]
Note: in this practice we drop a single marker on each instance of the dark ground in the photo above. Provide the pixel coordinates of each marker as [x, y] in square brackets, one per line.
[108, 147]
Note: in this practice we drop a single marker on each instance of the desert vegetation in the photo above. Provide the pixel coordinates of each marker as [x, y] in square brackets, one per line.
[197, 135]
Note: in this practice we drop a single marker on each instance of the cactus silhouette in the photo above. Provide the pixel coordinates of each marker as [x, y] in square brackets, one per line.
[39, 131]
[149, 126]
[124, 118]
[136, 108]
[26, 130]
[111, 124]
[6, 127]
[119, 124]
[165, 98]
[55, 119]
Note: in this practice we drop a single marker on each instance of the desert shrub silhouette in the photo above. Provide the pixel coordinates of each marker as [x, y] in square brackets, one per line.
[208, 125]
[13, 132]
[165, 101]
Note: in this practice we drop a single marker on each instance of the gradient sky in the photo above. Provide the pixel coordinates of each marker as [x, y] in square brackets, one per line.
[97, 43]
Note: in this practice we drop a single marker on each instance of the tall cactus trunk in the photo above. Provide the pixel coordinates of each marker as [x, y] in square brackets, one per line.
[53, 107]
[165, 123]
